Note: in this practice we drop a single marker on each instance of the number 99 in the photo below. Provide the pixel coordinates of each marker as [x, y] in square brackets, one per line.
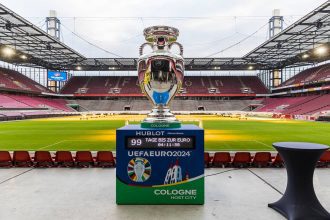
[137, 142]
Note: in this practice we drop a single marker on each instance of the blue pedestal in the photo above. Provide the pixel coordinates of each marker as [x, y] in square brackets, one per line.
[160, 166]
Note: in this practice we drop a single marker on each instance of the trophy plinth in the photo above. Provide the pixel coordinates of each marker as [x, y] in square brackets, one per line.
[160, 118]
[160, 75]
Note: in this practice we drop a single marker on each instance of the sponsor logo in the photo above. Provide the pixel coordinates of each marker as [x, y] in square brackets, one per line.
[150, 133]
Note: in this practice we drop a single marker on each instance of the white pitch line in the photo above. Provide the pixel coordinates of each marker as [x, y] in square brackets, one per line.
[263, 143]
[259, 142]
[59, 143]
[52, 144]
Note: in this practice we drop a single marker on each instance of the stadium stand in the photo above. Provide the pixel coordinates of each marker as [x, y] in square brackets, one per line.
[106, 159]
[176, 105]
[11, 101]
[192, 85]
[30, 114]
[243, 159]
[312, 75]
[8, 102]
[15, 81]
[278, 104]
[297, 105]
[20, 98]
[310, 105]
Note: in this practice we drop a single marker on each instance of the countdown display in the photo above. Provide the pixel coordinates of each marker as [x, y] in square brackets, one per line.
[160, 142]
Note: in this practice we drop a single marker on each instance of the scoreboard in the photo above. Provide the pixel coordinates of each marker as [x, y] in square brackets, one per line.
[160, 166]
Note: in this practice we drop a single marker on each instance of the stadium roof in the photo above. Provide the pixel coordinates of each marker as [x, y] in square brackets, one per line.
[287, 47]
[38, 47]
[284, 49]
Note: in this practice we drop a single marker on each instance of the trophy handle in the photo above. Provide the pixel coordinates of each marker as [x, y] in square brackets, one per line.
[142, 47]
[180, 46]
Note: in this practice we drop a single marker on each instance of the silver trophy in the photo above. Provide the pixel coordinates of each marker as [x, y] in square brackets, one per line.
[139, 169]
[161, 74]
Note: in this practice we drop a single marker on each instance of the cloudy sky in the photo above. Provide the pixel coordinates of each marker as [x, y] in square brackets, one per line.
[206, 27]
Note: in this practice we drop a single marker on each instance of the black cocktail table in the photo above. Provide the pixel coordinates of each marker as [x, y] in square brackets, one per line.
[299, 200]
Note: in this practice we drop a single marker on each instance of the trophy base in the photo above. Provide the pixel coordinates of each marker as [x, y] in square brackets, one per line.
[160, 118]
[165, 124]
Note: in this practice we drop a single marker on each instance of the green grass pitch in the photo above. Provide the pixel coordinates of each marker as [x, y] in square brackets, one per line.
[94, 135]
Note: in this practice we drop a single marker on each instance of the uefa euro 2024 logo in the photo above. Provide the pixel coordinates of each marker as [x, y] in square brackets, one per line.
[139, 169]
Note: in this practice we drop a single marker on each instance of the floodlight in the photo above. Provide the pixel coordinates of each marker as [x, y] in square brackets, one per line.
[305, 56]
[7, 51]
[322, 50]
[78, 67]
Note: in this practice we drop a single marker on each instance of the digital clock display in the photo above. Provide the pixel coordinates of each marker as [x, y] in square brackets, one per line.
[160, 142]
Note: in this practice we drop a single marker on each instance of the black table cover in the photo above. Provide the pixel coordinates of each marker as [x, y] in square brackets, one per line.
[299, 200]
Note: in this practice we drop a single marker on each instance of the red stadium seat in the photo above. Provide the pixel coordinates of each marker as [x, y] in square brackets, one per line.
[229, 85]
[22, 159]
[105, 159]
[64, 159]
[84, 159]
[242, 159]
[262, 159]
[43, 159]
[277, 162]
[324, 160]
[207, 159]
[221, 159]
[5, 159]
